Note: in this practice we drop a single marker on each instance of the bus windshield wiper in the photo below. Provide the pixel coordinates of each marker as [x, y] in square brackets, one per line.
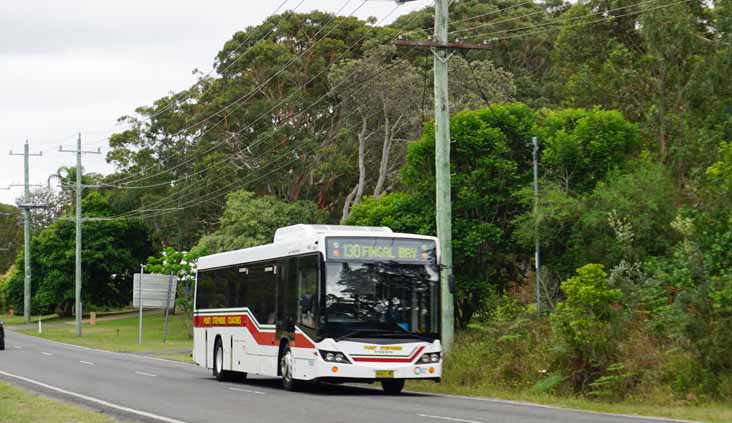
[383, 333]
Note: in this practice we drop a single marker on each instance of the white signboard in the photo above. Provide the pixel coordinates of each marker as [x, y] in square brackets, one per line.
[155, 290]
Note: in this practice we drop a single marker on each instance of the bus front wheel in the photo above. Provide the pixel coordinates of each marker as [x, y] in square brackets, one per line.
[286, 369]
[392, 387]
[218, 365]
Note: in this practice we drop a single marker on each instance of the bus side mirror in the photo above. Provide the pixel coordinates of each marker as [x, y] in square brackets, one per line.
[451, 284]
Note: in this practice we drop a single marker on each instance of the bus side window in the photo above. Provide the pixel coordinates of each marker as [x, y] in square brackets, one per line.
[287, 301]
[206, 290]
[308, 291]
[261, 291]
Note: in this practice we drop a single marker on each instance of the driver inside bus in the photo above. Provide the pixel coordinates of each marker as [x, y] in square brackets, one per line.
[307, 316]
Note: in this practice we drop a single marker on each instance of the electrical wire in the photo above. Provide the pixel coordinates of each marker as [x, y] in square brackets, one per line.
[471, 18]
[167, 200]
[604, 19]
[315, 103]
[265, 114]
[385, 69]
[550, 29]
[512, 19]
[562, 21]
[175, 98]
[243, 98]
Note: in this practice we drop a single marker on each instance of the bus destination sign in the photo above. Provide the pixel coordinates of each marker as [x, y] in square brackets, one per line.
[381, 249]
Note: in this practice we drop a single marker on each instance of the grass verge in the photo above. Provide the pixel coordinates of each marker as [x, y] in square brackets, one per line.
[122, 335]
[706, 412]
[21, 406]
[18, 319]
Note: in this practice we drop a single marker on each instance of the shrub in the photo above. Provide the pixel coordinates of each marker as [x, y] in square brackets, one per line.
[587, 325]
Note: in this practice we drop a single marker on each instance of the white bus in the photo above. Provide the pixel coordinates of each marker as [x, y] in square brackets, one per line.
[322, 303]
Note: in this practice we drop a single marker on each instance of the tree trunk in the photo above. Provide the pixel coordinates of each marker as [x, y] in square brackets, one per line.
[362, 136]
[347, 204]
[662, 116]
[385, 148]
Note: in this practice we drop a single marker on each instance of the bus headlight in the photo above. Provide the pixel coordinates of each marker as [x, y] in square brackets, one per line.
[334, 357]
[430, 358]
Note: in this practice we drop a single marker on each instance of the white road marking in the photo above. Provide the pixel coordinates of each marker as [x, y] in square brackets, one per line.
[47, 354]
[86, 362]
[247, 391]
[94, 400]
[146, 374]
[555, 408]
[448, 418]
[118, 354]
[18, 347]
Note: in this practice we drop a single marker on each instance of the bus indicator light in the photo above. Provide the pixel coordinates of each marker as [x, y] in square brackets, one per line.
[334, 369]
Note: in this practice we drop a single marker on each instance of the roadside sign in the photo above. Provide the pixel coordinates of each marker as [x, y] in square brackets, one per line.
[156, 289]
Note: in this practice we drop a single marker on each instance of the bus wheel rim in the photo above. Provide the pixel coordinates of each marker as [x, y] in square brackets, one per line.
[219, 360]
[286, 363]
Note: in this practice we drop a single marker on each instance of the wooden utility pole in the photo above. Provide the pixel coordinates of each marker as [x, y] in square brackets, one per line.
[443, 202]
[79, 191]
[443, 199]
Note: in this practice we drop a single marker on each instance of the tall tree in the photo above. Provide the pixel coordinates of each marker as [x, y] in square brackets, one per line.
[491, 161]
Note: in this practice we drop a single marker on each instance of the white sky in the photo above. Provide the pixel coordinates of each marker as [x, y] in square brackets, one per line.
[78, 65]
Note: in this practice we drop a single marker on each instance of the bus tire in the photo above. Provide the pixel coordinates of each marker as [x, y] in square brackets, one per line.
[218, 365]
[393, 386]
[289, 383]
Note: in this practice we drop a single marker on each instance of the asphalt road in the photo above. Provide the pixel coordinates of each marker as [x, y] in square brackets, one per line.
[144, 389]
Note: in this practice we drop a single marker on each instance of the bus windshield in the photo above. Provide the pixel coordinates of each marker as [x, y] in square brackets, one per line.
[370, 299]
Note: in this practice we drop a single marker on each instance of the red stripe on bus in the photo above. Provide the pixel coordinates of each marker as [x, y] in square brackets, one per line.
[239, 320]
[390, 359]
[302, 341]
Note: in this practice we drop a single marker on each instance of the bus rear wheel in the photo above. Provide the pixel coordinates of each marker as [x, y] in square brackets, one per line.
[218, 365]
[286, 369]
[392, 387]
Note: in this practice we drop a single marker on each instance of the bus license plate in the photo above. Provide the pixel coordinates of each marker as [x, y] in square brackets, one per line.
[384, 374]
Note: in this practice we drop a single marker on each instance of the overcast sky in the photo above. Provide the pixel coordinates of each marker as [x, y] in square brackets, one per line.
[78, 65]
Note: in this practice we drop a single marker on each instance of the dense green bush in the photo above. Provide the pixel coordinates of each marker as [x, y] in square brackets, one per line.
[111, 251]
[250, 220]
[588, 325]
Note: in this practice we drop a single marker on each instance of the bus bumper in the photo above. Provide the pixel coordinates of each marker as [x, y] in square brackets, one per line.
[320, 370]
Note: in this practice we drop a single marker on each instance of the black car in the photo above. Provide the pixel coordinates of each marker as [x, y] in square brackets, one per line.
[2, 336]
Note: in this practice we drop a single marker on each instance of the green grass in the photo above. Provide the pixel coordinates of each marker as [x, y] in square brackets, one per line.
[121, 335]
[20, 406]
[18, 319]
[706, 412]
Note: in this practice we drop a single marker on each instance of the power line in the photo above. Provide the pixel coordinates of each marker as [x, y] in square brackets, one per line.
[261, 116]
[604, 19]
[249, 95]
[175, 99]
[167, 201]
[160, 201]
[472, 18]
[515, 18]
[563, 21]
